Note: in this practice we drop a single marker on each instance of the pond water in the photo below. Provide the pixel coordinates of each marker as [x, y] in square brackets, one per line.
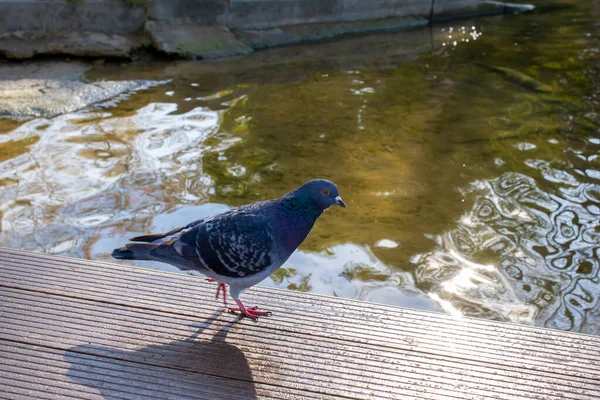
[467, 155]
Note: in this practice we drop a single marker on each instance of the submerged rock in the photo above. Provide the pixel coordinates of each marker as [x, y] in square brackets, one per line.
[194, 41]
[49, 89]
[521, 79]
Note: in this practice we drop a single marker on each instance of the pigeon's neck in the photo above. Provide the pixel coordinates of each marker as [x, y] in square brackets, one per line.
[299, 214]
[302, 205]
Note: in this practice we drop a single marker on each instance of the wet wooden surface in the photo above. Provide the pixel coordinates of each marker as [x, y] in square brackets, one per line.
[73, 328]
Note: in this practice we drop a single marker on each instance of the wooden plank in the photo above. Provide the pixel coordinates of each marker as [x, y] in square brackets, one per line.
[98, 329]
[181, 295]
[592, 353]
[152, 340]
[521, 346]
[191, 297]
[77, 375]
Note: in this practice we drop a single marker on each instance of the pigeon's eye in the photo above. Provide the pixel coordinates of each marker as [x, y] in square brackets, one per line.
[325, 191]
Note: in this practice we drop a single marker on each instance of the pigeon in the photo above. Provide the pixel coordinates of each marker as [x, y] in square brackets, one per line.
[243, 246]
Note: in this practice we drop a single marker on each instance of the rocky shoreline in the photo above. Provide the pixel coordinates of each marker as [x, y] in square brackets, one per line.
[208, 29]
[192, 29]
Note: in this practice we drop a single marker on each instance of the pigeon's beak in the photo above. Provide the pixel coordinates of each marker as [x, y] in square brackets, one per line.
[340, 202]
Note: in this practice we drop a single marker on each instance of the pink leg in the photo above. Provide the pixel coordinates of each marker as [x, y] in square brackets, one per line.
[223, 287]
[250, 312]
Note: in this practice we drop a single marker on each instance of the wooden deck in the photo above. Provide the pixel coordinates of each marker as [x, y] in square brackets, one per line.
[72, 328]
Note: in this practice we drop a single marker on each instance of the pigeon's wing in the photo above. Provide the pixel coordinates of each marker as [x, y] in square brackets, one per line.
[164, 247]
[160, 237]
[235, 244]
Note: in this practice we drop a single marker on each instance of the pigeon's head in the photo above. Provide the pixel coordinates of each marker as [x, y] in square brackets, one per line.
[323, 192]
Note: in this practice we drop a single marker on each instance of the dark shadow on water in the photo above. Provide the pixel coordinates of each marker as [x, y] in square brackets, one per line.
[191, 367]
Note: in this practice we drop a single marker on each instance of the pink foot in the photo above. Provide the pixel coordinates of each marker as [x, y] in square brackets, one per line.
[250, 312]
[220, 287]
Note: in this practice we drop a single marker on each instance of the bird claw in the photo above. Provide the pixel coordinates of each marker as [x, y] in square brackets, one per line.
[251, 312]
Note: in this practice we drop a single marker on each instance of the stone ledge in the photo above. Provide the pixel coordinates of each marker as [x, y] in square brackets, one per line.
[455, 9]
[106, 16]
[21, 45]
[264, 38]
[206, 29]
[266, 14]
[194, 41]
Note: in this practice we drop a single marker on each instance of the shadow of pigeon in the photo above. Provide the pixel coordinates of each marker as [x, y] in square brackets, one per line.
[188, 368]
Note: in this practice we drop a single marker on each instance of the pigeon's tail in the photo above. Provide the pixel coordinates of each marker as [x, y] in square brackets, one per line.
[133, 251]
[164, 252]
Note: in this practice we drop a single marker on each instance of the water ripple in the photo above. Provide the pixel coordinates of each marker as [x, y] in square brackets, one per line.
[130, 164]
[521, 254]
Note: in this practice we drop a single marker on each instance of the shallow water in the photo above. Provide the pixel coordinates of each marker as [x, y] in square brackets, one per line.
[471, 171]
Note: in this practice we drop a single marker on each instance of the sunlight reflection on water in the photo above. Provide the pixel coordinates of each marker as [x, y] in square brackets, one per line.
[73, 174]
[523, 231]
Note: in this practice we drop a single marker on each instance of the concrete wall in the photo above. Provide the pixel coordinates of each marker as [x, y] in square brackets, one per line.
[107, 16]
[208, 28]
[204, 12]
[452, 9]
[262, 14]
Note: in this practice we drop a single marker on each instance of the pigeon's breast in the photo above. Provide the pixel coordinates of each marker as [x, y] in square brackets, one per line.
[290, 233]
